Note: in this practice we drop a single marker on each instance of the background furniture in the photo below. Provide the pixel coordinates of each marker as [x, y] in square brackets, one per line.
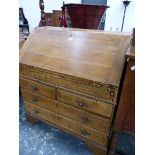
[73, 85]
[23, 23]
[124, 122]
[57, 17]
[51, 18]
[125, 3]
[74, 15]
[85, 16]
[46, 18]
[97, 2]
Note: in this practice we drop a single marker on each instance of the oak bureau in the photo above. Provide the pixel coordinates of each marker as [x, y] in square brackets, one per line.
[70, 79]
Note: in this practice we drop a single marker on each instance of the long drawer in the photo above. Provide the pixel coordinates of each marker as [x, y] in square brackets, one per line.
[86, 118]
[103, 91]
[67, 123]
[85, 103]
[39, 88]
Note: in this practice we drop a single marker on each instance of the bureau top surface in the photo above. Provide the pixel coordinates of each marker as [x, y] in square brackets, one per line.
[90, 54]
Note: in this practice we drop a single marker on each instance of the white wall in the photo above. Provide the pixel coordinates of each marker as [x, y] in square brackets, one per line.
[113, 19]
[32, 10]
[115, 16]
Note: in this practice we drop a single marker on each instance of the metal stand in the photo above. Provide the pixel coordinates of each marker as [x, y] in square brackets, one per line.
[126, 3]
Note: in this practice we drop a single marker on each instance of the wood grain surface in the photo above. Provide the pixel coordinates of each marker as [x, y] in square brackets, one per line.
[68, 123]
[89, 54]
[85, 118]
[82, 102]
[85, 86]
[70, 78]
[38, 88]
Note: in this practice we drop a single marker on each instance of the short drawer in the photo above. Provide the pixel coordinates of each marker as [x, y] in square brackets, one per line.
[67, 123]
[86, 118]
[85, 103]
[39, 88]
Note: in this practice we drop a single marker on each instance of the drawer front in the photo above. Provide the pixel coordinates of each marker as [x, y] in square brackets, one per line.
[67, 123]
[38, 88]
[106, 92]
[86, 118]
[85, 103]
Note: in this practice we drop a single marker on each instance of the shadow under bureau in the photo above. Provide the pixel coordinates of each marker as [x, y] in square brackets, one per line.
[70, 79]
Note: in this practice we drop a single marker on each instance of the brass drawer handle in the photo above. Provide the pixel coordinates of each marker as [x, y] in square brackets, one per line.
[84, 119]
[81, 104]
[111, 93]
[35, 112]
[84, 133]
[34, 88]
[111, 90]
[96, 85]
[34, 99]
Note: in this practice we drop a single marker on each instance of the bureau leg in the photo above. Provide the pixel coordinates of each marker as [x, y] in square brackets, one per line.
[95, 149]
[30, 118]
